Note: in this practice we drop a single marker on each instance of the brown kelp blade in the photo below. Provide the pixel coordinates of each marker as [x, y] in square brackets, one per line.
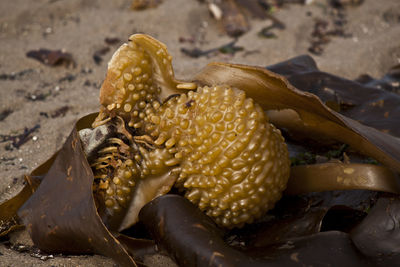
[198, 242]
[332, 248]
[61, 216]
[373, 102]
[280, 229]
[22, 190]
[378, 235]
[273, 92]
[187, 234]
[9, 205]
[341, 176]
[304, 215]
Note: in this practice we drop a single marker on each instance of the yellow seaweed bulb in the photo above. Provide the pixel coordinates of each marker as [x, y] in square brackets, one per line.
[215, 144]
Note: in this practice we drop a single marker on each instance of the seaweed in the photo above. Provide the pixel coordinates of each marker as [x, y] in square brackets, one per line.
[18, 140]
[229, 48]
[52, 57]
[310, 225]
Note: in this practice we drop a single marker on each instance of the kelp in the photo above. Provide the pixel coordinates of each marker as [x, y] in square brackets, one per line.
[374, 103]
[62, 214]
[52, 57]
[198, 242]
[21, 191]
[215, 141]
[304, 215]
[341, 176]
[302, 112]
[378, 235]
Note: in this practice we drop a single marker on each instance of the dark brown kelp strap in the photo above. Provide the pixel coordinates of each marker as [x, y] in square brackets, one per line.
[192, 239]
[61, 216]
[340, 176]
[378, 235]
[272, 91]
[189, 236]
[304, 216]
[372, 102]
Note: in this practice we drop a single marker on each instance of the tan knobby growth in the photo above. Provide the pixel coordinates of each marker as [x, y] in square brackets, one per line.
[214, 144]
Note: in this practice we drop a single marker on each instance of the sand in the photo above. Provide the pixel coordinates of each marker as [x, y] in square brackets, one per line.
[55, 97]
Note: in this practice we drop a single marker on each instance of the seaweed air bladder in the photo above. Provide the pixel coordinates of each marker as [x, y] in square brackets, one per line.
[211, 142]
